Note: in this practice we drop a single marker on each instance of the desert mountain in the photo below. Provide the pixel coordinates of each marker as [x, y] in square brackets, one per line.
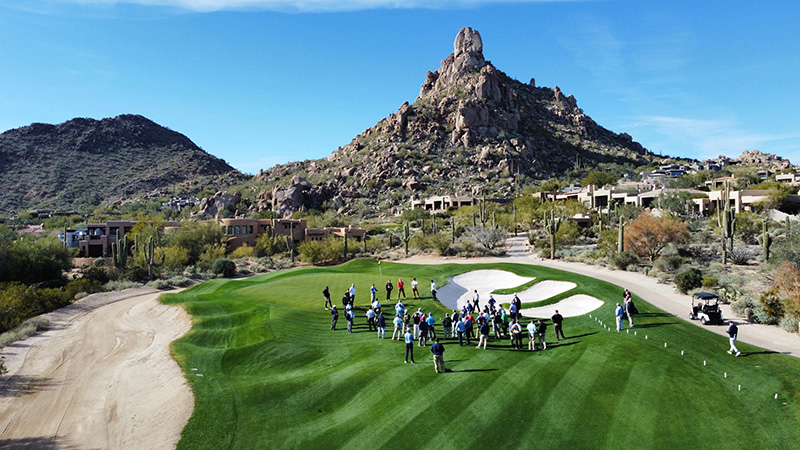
[84, 162]
[472, 131]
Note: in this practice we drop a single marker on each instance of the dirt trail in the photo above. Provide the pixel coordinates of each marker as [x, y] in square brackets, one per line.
[101, 377]
[663, 296]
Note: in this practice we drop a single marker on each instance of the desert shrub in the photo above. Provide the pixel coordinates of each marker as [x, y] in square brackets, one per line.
[670, 264]
[689, 279]
[158, 284]
[197, 238]
[224, 267]
[739, 256]
[30, 260]
[330, 250]
[245, 251]
[179, 281]
[624, 260]
[120, 285]
[175, 258]
[789, 324]
[607, 242]
[568, 233]
[19, 302]
[771, 306]
[270, 245]
[25, 329]
[209, 255]
[710, 281]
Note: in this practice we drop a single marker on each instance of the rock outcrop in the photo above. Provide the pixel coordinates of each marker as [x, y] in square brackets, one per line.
[472, 128]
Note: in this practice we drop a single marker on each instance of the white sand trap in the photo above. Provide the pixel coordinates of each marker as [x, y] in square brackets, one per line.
[461, 288]
[577, 305]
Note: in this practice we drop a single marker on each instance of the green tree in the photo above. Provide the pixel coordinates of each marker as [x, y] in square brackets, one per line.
[599, 178]
[196, 238]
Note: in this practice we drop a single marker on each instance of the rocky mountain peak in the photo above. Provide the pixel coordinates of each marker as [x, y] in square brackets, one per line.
[472, 129]
[466, 59]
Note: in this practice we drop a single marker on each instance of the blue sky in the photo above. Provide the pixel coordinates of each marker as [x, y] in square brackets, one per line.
[260, 82]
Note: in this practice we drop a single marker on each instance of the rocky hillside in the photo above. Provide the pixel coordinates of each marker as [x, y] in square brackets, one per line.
[472, 130]
[84, 162]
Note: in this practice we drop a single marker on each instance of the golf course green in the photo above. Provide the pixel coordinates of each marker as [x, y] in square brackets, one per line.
[267, 372]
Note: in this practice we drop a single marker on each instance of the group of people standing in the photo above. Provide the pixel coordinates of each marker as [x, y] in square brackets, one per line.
[471, 322]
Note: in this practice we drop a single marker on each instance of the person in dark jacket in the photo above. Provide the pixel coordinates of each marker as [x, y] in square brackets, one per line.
[389, 287]
[558, 319]
[484, 334]
[381, 322]
[334, 317]
[438, 356]
[733, 333]
[540, 332]
[327, 294]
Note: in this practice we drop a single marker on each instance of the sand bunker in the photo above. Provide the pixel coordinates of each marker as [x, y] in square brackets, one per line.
[460, 288]
[577, 305]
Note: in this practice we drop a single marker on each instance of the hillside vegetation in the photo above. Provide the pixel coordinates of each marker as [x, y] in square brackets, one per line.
[84, 162]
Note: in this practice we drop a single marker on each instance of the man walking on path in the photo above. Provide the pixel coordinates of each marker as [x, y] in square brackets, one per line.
[381, 321]
[409, 346]
[733, 332]
[618, 314]
[532, 335]
[401, 288]
[327, 294]
[438, 356]
[334, 317]
[433, 290]
[557, 320]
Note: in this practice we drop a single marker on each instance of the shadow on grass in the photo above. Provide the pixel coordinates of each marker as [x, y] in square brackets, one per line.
[469, 370]
[652, 325]
[765, 352]
[580, 335]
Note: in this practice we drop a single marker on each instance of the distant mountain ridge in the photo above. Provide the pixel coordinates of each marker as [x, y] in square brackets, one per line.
[83, 162]
[472, 130]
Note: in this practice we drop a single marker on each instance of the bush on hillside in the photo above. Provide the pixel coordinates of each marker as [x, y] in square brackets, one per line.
[689, 279]
[624, 260]
[224, 267]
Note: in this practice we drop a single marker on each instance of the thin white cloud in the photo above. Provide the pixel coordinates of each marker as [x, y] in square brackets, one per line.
[309, 5]
[709, 138]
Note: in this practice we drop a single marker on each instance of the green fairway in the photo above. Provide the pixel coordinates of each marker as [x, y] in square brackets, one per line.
[275, 376]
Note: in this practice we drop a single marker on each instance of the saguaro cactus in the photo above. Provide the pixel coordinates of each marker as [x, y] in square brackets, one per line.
[406, 236]
[149, 252]
[765, 239]
[621, 237]
[119, 252]
[453, 228]
[551, 226]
